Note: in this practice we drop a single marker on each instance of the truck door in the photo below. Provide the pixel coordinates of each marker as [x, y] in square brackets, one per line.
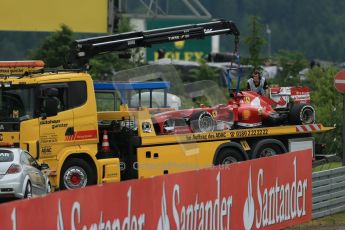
[85, 115]
[29, 136]
[55, 129]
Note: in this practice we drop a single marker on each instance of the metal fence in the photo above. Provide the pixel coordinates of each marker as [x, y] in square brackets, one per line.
[328, 192]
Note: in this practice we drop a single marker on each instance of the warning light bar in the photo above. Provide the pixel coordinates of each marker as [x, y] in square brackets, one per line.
[8, 68]
[6, 144]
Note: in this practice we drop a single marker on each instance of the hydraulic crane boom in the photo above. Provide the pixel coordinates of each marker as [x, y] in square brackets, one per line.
[84, 49]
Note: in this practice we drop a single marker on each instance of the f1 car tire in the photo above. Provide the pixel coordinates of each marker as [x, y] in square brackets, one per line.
[302, 114]
[228, 156]
[202, 122]
[76, 173]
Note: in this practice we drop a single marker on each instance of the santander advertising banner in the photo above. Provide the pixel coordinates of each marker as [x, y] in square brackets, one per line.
[268, 193]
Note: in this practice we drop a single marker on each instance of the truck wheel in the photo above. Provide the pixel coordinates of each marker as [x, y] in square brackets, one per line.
[202, 122]
[228, 156]
[267, 148]
[302, 114]
[76, 173]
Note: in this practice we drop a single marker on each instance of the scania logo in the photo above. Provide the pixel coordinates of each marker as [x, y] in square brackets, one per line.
[2, 127]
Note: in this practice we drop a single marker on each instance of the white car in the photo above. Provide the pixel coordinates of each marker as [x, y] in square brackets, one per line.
[20, 174]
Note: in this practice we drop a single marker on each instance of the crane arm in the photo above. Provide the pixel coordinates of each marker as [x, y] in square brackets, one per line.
[82, 50]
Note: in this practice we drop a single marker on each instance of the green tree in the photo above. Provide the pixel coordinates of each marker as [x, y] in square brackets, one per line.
[255, 41]
[291, 63]
[328, 105]
[203, 72]
[54, 48]
[106, 65]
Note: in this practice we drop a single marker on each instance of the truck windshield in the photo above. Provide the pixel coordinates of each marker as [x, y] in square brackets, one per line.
[16, 103]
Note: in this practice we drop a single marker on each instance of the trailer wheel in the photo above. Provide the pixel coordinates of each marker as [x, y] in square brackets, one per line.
[228, 156]
[267, 150]
[302, 114]
[202, 122]
[76, 173]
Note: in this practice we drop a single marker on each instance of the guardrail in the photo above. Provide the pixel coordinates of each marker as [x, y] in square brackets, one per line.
[328, 192]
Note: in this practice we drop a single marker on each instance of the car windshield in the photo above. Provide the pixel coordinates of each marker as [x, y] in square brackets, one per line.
[6, 156]
[16, 103]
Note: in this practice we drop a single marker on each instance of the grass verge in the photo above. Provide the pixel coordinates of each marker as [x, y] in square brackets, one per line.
[335, 221]
[327, 166]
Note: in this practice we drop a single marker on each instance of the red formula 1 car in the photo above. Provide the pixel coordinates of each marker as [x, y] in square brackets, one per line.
[246, 110]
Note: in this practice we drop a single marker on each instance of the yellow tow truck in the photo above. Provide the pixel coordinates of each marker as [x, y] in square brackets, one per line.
[53, 115]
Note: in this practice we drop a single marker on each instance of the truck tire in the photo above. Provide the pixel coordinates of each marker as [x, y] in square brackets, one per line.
[301, 114]
[267, 148]
[202, 122]
[76, 173]
[228, 156]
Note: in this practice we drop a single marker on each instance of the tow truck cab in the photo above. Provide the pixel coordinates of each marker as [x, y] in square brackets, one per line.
[53, 114]
[54, 117]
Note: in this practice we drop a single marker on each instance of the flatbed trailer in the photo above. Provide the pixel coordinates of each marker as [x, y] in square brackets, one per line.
[144, 153]
[237, 134]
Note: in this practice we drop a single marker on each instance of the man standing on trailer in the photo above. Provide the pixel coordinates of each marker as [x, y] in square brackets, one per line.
[257, 83]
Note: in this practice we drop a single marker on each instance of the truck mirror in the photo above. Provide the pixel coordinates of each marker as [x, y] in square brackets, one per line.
[50, 107]
[43, 166]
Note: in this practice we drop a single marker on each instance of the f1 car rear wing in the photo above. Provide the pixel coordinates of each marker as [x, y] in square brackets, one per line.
[84, 49]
